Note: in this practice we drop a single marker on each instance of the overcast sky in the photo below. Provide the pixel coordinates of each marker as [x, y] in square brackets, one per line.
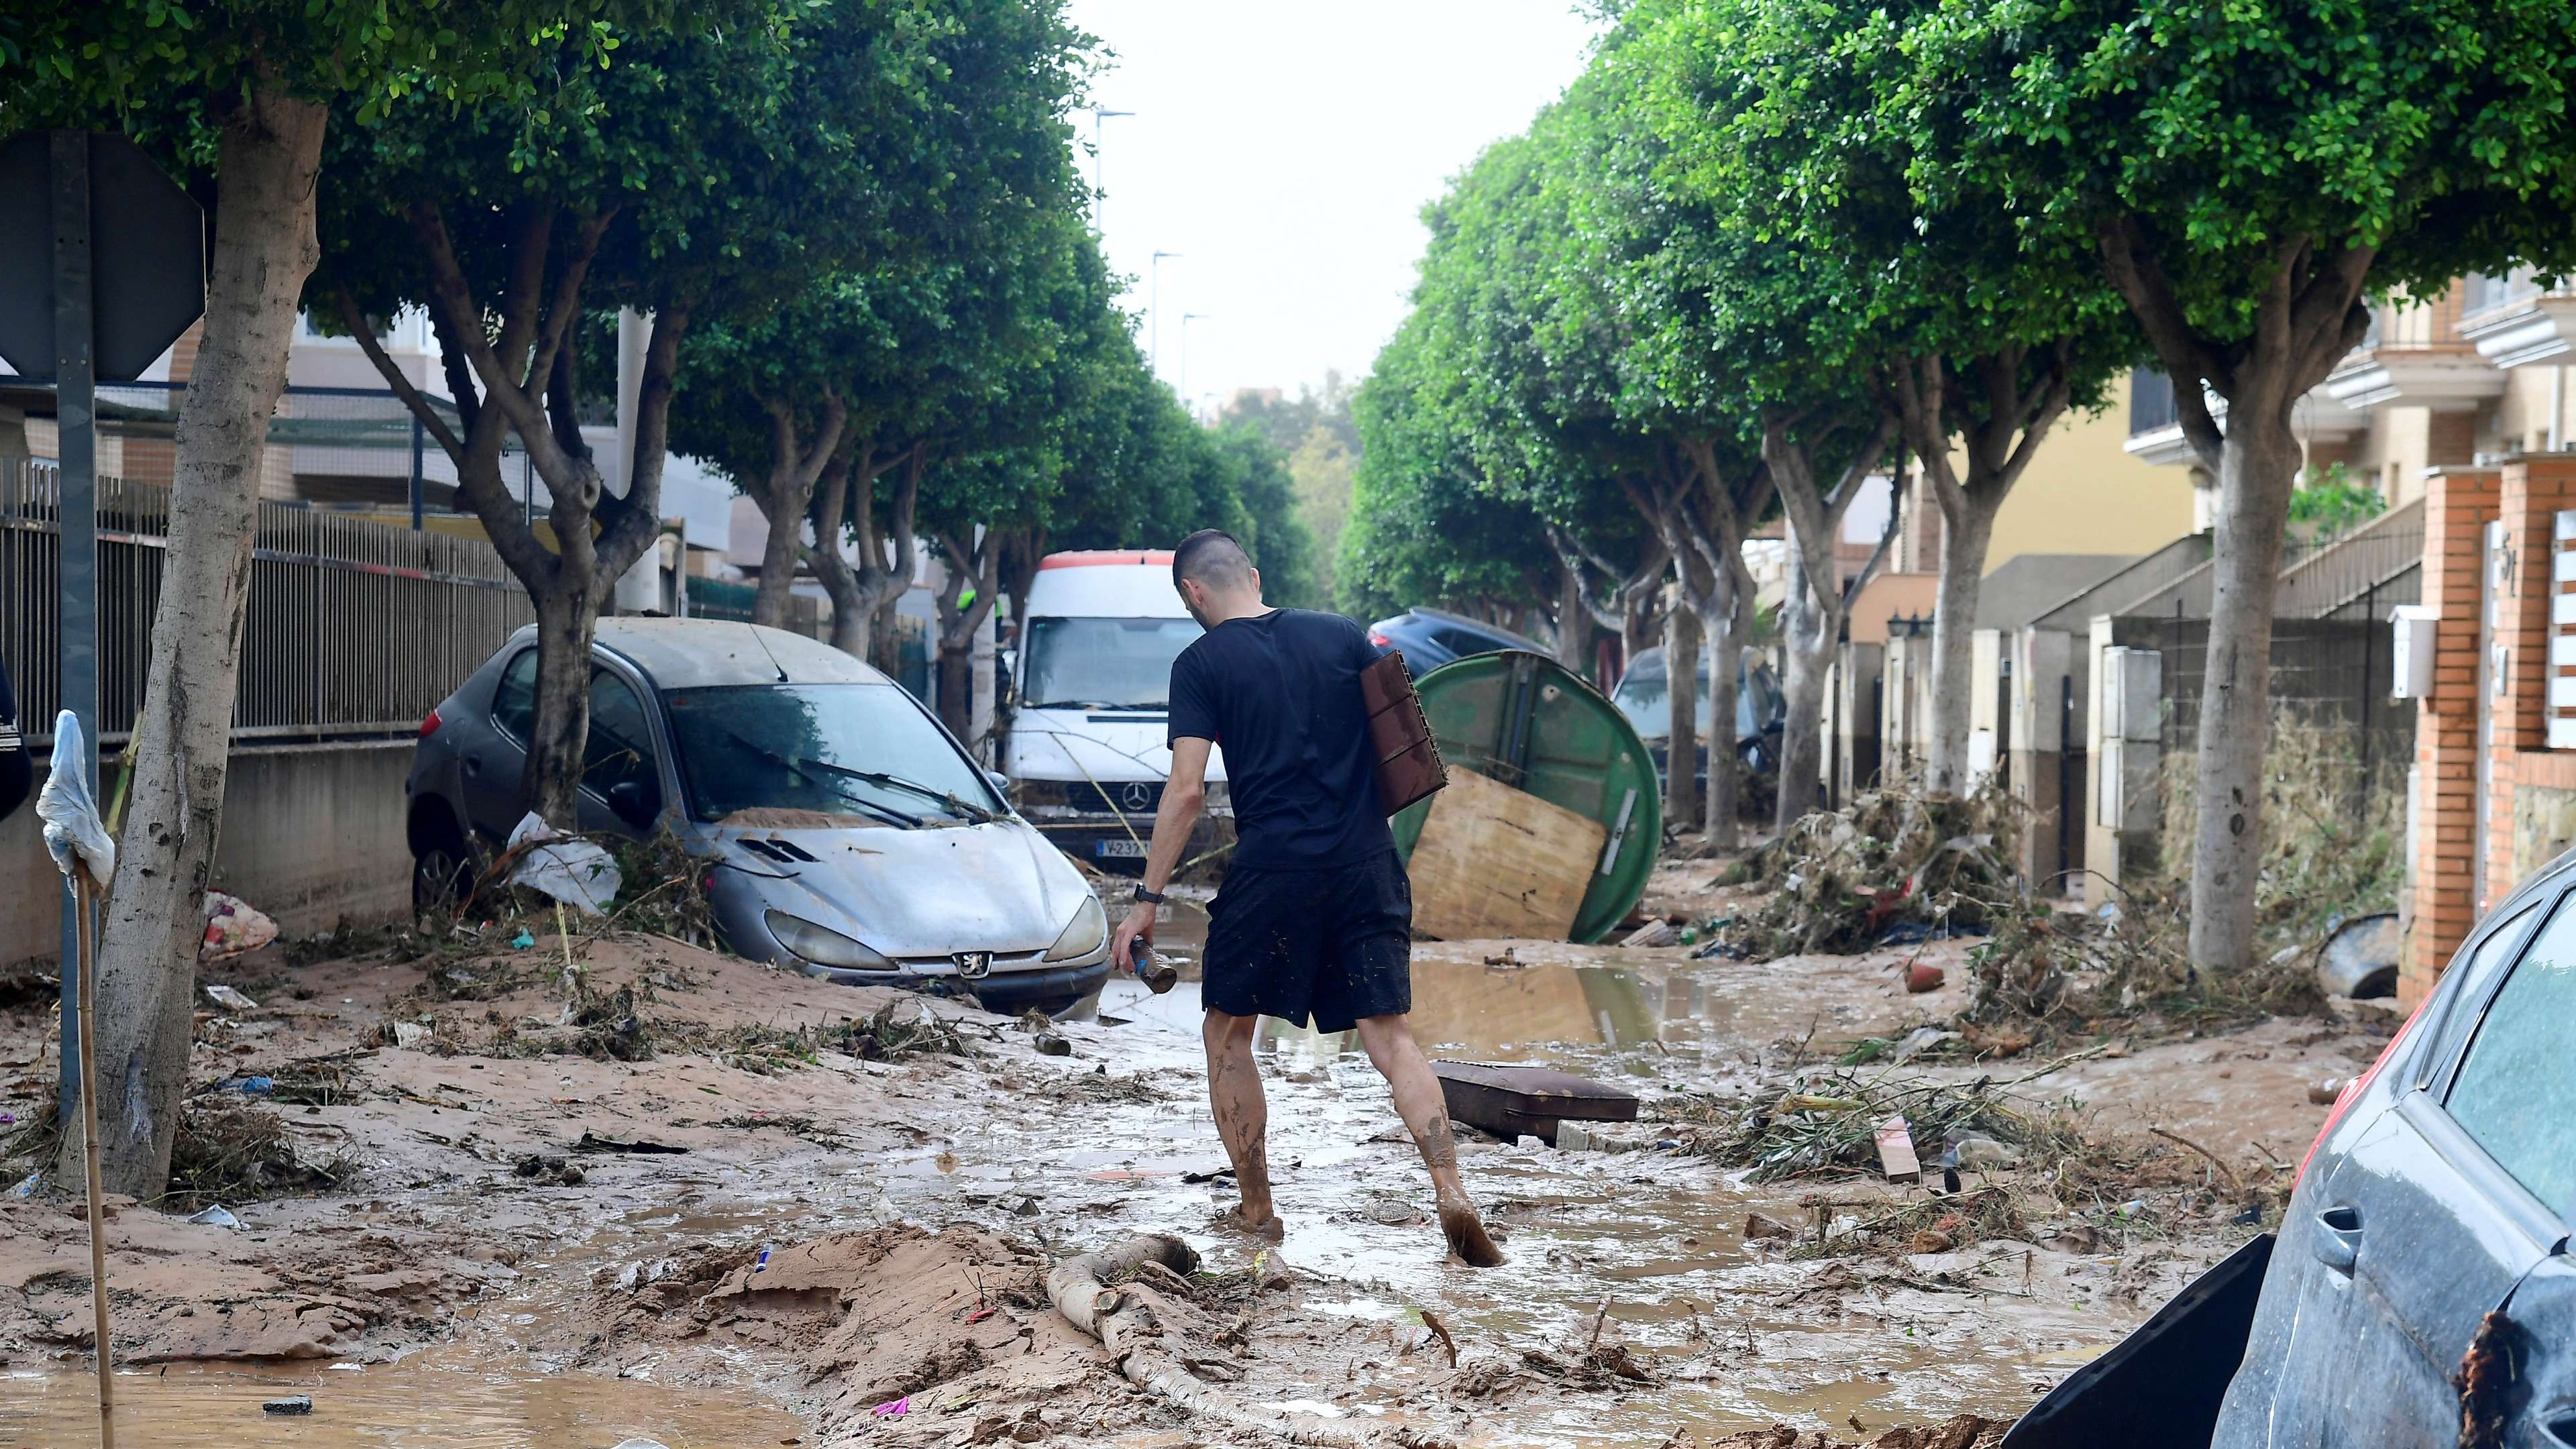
[1285, 151]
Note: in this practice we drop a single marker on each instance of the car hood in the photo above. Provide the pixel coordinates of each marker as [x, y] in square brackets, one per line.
[922, 893]
[1103, 745]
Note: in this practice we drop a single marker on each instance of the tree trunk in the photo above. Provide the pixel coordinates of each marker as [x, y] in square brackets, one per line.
[264, 247]
[2258, 468]
[778, 556]
[1970, 528]
[1725, 650]
[1808, 634]
[1681, 665]
[551, 783]
[957, 686]
[1573, 621]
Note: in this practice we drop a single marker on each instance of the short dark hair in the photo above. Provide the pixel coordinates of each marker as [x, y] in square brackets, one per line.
[1211, 556]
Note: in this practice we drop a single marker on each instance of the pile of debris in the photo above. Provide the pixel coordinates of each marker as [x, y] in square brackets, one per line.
[1837, 1123]
[1895, 865]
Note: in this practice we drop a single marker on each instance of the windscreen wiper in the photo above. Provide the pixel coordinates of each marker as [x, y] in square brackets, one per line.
[879, 778]
[886, 813]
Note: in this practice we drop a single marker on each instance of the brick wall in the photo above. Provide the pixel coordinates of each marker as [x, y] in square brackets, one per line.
[2458, 503]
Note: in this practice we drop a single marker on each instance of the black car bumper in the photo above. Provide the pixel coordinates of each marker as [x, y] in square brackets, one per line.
[1007, 994]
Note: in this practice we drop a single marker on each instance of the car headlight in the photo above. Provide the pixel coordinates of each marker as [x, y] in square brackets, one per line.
[822, 945]
[1090, 927]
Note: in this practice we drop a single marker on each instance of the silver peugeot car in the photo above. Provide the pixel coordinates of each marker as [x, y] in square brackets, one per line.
[845, 831]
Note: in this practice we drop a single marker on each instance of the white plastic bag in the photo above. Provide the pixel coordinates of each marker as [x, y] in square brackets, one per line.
[74, 830]
[576, 872]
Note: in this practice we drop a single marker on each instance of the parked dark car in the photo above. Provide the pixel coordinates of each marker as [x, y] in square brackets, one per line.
[2442, 1189]
[1433, 637]
[844, 831]
[1645, 695]
[2426, 1237]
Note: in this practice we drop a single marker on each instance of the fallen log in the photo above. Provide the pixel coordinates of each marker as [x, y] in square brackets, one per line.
[1083, 1290]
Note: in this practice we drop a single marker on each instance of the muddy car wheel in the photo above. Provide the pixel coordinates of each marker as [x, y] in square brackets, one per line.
[440, 876]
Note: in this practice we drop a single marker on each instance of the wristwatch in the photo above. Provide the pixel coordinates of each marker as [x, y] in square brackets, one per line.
[1145, 897]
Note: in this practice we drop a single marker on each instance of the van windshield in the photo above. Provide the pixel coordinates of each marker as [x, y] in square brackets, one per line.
[1102, 663]
[829, 749]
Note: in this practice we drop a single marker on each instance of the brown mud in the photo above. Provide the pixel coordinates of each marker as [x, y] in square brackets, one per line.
[442, 1296]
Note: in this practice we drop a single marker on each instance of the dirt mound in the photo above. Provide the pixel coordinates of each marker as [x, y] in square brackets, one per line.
[912, 1335]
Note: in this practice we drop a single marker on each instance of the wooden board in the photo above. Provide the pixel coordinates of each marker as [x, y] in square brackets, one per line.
[1494, 861]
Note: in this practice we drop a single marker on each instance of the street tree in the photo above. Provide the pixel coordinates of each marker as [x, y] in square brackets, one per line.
[706, 172]
[237, 97]
[1798, 122]
[2249, 177]
[1742, 329]
[807, 405]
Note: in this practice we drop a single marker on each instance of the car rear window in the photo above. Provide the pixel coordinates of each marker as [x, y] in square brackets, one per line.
[2516, 1089]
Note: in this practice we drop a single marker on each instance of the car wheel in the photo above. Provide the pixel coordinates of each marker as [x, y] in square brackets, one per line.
[441, 874]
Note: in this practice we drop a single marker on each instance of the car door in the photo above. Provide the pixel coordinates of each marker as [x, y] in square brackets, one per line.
[2514, 1094]
[492, 761]
[2540, 1411]
[2422, 1225]
[621, 776]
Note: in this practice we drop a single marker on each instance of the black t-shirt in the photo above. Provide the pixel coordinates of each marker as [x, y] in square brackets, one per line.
[1280, 694]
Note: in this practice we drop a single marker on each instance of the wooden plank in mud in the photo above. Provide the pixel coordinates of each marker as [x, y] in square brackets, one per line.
[1494, 861]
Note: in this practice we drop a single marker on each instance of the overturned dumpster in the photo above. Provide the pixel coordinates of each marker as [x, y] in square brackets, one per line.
[1551, 821]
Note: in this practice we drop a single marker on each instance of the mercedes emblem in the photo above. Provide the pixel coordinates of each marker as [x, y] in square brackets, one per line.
[1137, 795]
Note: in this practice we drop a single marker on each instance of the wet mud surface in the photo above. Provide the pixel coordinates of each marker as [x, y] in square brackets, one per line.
[442, 1296]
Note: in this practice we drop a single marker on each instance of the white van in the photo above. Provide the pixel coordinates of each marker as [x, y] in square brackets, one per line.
[1086, 753]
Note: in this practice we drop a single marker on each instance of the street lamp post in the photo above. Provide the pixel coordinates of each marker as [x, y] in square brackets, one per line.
[1098, 115]
[1154, 306]
[1186, 319]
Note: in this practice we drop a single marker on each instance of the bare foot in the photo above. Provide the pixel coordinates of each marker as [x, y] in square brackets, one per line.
[1467, 1237]
[1266, 1226]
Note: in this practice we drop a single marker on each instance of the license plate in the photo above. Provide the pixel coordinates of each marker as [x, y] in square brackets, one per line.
[1131, 848]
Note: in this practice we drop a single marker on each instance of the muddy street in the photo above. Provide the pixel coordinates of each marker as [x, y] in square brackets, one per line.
[696, 1201]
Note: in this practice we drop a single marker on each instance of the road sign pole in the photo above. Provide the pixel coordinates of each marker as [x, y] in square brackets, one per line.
[76, 514]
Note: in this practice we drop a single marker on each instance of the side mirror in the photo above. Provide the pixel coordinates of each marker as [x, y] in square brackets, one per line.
[631, 804]
[1001, 783]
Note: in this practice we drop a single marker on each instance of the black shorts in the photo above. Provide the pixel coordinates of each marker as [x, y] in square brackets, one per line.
[1334, 943]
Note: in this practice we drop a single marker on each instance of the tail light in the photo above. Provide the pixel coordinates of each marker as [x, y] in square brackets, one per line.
[1380, 640]
[429, 724]
[2353, 1089]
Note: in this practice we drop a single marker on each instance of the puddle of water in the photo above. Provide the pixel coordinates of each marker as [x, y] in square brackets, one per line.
[1658, 1236]
[400, 1406]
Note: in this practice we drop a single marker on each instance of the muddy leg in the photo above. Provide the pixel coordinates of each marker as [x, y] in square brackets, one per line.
[1417, 1099]
[1242, 1114]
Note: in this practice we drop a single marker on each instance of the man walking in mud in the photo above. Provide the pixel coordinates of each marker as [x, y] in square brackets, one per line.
[1315, 915]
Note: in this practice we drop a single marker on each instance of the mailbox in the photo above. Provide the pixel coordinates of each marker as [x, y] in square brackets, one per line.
[2411, 633]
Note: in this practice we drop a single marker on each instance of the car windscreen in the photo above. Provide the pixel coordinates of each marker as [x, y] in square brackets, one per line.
[1102, 663]
[1644, 696]
[831, 749]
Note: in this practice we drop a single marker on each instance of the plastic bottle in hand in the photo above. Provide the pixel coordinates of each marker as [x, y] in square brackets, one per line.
[1150, 968]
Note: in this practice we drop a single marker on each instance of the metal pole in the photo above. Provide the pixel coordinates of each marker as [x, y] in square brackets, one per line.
[417, 437]
[75, 413]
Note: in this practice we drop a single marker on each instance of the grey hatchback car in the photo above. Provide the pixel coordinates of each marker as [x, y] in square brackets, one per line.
[843, 829]
[2441, 1191]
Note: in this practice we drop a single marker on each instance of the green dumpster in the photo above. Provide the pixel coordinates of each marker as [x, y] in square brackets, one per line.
[1527, 721]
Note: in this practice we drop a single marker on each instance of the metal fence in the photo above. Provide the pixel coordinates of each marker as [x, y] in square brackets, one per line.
[352, 628]
[2328, 671]
[719, 599]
